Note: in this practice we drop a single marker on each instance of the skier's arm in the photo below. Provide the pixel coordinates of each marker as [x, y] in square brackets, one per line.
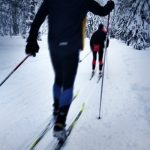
[97, 9]
[39, 19]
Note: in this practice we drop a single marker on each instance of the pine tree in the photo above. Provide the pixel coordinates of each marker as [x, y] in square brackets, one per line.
[28, 17]
[132, 23]
[16, 16]
[93, 21]
[129, 21]
[5, 27]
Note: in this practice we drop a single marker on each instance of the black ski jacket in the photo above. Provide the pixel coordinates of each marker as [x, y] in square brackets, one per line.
[65, 18]
[99, 37]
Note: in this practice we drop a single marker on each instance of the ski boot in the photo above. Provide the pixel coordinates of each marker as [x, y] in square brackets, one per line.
[93, 72]
[100, 69]
[100, 73]
[59, 128]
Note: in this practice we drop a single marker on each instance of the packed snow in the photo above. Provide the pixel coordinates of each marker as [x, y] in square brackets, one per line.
[26, 99]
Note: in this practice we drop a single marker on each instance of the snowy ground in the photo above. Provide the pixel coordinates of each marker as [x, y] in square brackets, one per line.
[26, 99]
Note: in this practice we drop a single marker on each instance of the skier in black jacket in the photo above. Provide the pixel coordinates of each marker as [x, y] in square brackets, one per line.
[97, 46]
[65, 20]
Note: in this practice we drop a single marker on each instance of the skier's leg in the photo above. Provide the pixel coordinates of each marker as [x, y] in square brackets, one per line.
[58, 81]
[94, 60]
[69, 65]
[100, 59]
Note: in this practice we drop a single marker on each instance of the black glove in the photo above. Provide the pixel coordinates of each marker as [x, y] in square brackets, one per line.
[32, 48]
[111, 5]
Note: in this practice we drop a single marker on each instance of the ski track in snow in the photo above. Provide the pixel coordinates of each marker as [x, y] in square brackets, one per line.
[26, 99]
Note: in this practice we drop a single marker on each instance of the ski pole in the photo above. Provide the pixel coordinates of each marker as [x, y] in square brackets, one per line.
[104, 57]
[84, 56]
[14, 70]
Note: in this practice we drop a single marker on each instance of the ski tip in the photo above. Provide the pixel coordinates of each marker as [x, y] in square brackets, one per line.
[77, 93]
[83, 105]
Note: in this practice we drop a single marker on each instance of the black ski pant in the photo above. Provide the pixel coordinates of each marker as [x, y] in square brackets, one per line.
[65, 64]
[100, 58]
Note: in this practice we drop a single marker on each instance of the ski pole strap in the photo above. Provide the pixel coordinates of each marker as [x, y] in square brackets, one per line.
[14, 70]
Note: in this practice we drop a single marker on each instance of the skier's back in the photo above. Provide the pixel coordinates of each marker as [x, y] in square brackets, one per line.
[97, 46]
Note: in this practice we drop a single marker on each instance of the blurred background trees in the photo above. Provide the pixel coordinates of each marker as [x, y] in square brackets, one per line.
[129, 21]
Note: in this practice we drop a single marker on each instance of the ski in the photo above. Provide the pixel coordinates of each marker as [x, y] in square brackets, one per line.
[47, 128]
[75, 96]
[43, 133]
[99, 77]
[61, 143]
[92, 75]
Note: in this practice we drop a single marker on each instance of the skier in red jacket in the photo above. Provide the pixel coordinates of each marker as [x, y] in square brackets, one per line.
[97, 42]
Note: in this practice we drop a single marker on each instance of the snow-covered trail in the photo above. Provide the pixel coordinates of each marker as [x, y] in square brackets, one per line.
[26, 100]
[125, 119]
[24, 107]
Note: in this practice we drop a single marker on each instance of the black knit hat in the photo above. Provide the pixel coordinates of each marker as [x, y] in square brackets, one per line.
[100, 26]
